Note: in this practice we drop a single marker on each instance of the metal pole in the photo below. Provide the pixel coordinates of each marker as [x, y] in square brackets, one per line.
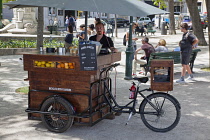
[1, 9]
[129, 54]
[86, 22]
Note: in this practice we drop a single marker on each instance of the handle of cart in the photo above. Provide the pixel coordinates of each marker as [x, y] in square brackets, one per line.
[107, 69]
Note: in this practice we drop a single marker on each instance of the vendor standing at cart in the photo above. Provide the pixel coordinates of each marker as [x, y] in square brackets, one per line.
[106, 42]
[69, 37]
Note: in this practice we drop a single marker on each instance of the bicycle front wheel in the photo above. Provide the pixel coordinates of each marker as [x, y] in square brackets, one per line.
[54, 122]
[160, 112]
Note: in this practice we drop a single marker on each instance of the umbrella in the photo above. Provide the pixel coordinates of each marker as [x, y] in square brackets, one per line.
[121, 7]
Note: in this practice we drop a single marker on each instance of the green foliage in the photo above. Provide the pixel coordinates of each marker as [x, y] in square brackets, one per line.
[160, 3]
[5, 1]
[17, 44]
[22, 90]
[23, 43]
[75, 42]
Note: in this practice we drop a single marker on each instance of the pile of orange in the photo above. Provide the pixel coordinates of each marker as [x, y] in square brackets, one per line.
[65, 65]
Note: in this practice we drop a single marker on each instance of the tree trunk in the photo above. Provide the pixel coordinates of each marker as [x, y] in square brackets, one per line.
[208, 14]
[196, 21]
[171, 17]
[40, 27]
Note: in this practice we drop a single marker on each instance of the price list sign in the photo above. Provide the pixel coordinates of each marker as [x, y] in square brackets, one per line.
[88, 57]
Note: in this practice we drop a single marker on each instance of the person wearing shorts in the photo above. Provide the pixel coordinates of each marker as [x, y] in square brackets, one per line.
[186, 45]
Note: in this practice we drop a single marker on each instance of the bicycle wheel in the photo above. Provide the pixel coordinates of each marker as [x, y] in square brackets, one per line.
[165, 117]
[57, 123]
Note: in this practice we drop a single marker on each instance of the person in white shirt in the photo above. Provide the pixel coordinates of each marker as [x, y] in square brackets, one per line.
[67, 23]
[161, 47]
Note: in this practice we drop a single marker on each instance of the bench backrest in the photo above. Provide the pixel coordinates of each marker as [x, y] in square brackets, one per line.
[172, 55]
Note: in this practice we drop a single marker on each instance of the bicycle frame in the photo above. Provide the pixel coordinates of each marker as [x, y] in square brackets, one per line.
[129, 107]
[116, 107]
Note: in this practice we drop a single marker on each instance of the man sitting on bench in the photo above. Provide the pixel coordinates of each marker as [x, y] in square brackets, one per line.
[141, 29]
[148, 49]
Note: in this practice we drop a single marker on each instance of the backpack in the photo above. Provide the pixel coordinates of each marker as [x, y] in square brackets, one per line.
[124, 40]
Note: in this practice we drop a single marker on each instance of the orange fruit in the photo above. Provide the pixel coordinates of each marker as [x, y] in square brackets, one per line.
[70, 64]
[62, 65]
[58, 66]
[71, 67]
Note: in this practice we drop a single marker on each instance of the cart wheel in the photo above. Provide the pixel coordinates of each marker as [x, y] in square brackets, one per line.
[55, 122]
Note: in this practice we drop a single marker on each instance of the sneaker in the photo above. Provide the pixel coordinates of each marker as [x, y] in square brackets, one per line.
[141, 72]
[180, 81]
[190, 78]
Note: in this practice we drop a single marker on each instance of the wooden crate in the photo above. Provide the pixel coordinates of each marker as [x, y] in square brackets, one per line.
[162, 75]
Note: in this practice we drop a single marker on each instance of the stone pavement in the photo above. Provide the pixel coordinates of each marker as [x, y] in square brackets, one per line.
[193, 96]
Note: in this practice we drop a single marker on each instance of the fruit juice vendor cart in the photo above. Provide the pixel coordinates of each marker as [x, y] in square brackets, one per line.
[64, 89]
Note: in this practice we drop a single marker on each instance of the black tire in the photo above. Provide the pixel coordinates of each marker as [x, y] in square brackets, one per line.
[166, 118]
[125, 25]
[57, 123]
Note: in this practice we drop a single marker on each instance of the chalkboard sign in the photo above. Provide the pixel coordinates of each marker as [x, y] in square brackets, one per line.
[88, 57]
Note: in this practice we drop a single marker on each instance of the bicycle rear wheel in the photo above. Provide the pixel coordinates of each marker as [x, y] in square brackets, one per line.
[165, 117]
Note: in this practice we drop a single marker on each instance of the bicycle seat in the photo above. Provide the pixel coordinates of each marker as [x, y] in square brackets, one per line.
[141, 79]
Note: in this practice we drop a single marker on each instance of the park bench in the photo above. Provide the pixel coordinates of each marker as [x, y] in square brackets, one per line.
[170, 55]
[150, 30]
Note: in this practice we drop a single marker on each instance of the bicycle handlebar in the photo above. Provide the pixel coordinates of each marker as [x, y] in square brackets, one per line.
[111, 66]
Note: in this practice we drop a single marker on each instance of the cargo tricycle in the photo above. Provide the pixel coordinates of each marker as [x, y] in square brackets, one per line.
[61, 96]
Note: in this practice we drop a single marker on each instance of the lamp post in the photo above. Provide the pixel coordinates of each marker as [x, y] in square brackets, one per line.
[129, 54]
[1, 9]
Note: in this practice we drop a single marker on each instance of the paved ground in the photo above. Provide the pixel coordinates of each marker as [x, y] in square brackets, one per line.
[193, 96]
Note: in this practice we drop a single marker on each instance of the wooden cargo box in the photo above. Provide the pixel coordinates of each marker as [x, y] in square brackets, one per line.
[162, 75]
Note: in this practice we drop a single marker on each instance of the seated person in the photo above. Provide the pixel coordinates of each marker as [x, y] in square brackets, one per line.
[137, 29]
[143, 29]
[106, 42]
[148, 49]
[161, 47]
[177, 49]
